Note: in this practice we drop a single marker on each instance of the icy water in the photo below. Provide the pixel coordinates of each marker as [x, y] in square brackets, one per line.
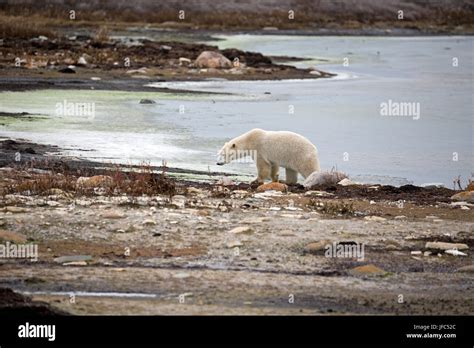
[341, 116]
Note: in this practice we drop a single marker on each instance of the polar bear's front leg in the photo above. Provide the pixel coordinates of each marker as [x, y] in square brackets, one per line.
[263, 170]
[291, 176]
[274, 172]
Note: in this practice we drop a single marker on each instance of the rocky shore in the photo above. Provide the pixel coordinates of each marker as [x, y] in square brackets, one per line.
[182, 247]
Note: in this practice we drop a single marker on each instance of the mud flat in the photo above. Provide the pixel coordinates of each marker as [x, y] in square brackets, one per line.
[186, 247]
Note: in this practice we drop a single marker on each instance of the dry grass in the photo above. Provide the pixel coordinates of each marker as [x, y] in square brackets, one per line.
[15, 27]
[133, 183]
[249, 19]
[102, 35]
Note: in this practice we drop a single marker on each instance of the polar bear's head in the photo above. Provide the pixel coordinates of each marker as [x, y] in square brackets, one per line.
[233, 150]
[227, 153]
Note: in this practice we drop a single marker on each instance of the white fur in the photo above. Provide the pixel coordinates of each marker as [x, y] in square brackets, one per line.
[272, 150]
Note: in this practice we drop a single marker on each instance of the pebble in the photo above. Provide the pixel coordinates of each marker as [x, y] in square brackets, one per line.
[374, 218]
[455, 252]
[367, 270]
[241, 230]
[225, 181]
[73, 258]
[417, 252]
[315, 247]
[112, 215]
[75, 263]
[318, 194]
[233, 244]
[149, 222]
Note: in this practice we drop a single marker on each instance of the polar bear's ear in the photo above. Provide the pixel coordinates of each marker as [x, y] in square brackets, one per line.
[233, 146]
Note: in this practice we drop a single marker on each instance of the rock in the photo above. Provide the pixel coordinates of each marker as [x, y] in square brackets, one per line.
[147, 101]
[466, 196]
[432, 185]
[226, 181]
[445, 246]
[417, 252]
[203, 212]
[184, 61]
[455, 252]
[460, 204]
[234, 244]
[211, 59]
[94, 181]
[72, 258]
[15, 210]
[318, 194]
[81, 61]
[138, 71]
[112, 215]
[255, 220]
[400, 217]
[181, 275]
[316, 247]
[53, 204]
[95, 78]
[323, 178]
[346, 182]
[466, 269]
[374, 218]
[149, 222]
[269, 28]
[67, 71]
[463, 207]
[179, 201]
[241, 230]
[75, 263]
[8, 236]
[273, 186]
[367, 270]
[194, 190]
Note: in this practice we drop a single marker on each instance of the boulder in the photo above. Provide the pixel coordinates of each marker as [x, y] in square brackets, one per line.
[446, 246]
[323, 178]
[212, 60]
[272, 186]
[465, 196]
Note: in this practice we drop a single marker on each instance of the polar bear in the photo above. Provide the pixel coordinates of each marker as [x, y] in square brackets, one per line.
[271, 150]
